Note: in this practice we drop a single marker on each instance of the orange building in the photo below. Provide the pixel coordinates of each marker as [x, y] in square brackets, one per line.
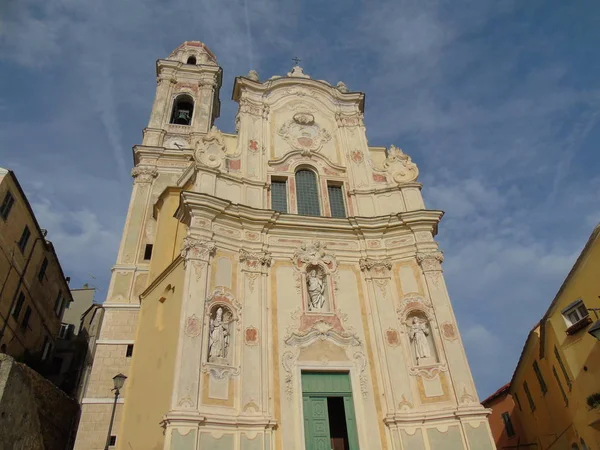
[505, 423]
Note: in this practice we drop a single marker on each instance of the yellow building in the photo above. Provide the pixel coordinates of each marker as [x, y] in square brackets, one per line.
[33, 288]
[559, 368]
[279, 287]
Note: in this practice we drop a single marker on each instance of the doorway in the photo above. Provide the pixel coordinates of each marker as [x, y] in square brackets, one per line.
[328, 410]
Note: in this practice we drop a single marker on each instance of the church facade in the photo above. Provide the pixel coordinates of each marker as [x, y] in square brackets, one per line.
[279, 287]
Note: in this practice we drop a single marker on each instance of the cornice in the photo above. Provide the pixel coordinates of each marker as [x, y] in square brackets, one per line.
[205, 203]
[267, 87]
[381, 190]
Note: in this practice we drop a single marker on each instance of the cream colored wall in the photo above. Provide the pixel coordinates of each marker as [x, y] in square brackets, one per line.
[148, 389]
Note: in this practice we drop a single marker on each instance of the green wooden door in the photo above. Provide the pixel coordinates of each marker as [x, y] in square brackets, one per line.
[351, 423]
[317, 387]
[316, 423]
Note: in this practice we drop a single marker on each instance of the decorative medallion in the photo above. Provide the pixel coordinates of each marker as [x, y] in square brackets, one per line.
[193, 326]
[391, 337]
[448, 331]
[303, 134]
[253, 146]
[251, 336]
[210, 149]
[357, 156]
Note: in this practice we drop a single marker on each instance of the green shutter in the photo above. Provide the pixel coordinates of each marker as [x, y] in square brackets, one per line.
[326, 383]
[316, 423]
[336, 201]
[351, 423]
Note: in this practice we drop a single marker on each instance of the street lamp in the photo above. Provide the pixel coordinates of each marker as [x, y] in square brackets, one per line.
[118, 382]
[594, 330]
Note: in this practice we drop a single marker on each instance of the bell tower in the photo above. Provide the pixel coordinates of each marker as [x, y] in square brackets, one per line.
[187, 96]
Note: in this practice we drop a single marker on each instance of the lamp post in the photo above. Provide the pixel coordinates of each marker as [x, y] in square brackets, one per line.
[594, 330]
[118, 381]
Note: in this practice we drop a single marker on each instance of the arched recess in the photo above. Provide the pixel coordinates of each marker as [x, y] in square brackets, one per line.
[307, 192]
[183, 110]
[191, 60]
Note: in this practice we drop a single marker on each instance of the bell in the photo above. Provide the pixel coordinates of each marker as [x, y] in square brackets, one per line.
[183, 117]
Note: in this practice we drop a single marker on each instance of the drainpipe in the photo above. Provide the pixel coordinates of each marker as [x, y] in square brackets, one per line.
[21, 277]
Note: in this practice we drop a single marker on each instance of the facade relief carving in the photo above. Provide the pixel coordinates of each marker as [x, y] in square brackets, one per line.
[210, 149]
[197, 249]
[418, 332]
[223, 325]
[144, 174]
[399, 165]
[303, 134]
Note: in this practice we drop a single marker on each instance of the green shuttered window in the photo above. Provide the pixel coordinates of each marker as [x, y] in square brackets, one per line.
[336, 201]
[279, 196]
[307, 193]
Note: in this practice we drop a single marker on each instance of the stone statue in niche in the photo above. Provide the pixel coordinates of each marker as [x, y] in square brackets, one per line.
[218, 343]
[418, 333]
[316, 291]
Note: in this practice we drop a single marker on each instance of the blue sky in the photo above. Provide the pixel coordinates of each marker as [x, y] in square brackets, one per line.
[498, 103]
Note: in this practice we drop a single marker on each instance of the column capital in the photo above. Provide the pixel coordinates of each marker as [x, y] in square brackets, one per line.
[144, 174]
[197, 249]
[376, 265]
[430, 261]
[255, 260]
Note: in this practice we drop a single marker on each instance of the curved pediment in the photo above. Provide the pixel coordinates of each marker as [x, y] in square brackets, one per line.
[292, 160]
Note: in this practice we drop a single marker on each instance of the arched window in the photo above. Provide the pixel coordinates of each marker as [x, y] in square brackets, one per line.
[192, 60]
[307, 193]
[183, 108]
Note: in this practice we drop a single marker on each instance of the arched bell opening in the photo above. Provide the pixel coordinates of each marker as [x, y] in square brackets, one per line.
[183, 108]
[191, 60]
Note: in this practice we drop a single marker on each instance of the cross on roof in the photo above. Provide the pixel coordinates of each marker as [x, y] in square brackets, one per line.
[296, 60]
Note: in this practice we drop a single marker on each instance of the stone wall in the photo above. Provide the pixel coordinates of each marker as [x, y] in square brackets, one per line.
[34, 414]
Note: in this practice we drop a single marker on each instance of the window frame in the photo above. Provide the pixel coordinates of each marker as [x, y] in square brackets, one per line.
[26, 318]
[42, 271]
[174, 102]
[18, 306]
[281, 180]
[340, 185]
[63, 331]
[529, 397]
[148, 252]
[6, 207]
[129, 351]
[508, 425]
[579, 309]
[315, 172]
[562, 390]
[540, 377]
[563, 368]
[24, 239]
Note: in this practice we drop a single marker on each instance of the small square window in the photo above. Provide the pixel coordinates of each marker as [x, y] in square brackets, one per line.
[113, 441]
[148, 252]
[64, 331]
[18, 306]
[129, 352]
[510, 431]
[576, 316]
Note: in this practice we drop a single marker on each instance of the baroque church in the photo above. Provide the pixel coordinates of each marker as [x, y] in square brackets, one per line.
[276, 288]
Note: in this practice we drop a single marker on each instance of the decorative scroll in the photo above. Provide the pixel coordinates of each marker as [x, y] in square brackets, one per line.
[144, 174]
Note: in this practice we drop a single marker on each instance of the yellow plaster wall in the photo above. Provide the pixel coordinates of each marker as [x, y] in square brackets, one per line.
[149, 386]
[556, 423]
[169, 234]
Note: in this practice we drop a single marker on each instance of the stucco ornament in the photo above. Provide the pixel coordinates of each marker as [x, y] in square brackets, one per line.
[210, 149]
[144, 174]
[341, 86]
[399, 165]
[219, 335]
[418, 335]
[302, 133]
[314, 253]
[316, 291]
[253, 75]
[193, 248]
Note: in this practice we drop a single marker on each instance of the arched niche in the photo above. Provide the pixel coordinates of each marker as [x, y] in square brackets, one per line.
[220, 334]
[421, 338]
